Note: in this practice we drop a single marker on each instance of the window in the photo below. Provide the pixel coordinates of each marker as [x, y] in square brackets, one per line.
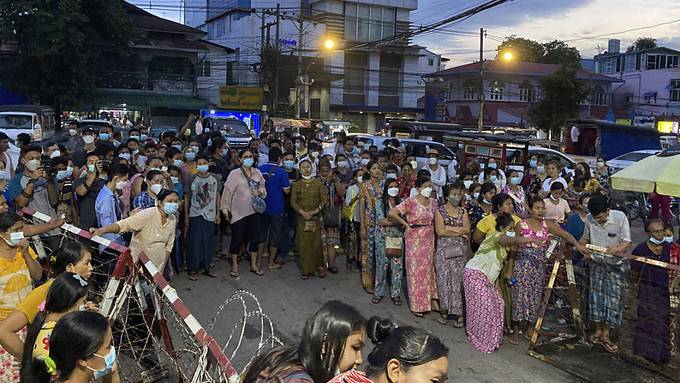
[599, 96]
[675, 91]
[470, 87]
[526, 92]
[672, 61]
[496, 88]
[219, 27]
[365, 22]
[204, 69]
[651, 62]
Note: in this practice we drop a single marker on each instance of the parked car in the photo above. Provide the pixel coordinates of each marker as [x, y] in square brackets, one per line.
[157, 131]
[235, 131]
[95, 124]
[625, 160]
[415, 147]
[35, 120]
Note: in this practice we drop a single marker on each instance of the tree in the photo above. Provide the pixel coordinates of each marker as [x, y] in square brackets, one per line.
[58, 43]
[642, 43]
[553, 52]
[558, 52]
[562, 94]
[526, 50]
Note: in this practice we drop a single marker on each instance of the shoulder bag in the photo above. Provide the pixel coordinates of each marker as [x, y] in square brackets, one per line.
[258, 203]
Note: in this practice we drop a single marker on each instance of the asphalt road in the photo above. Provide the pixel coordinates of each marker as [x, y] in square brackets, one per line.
[288, 301]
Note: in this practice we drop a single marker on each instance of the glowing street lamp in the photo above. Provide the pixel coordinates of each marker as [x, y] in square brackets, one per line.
[329, 44]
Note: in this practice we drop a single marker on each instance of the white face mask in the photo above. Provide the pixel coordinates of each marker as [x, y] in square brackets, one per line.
[88, 139]
[72, 132]
[342, 164]
[365, 161]
[55, 154]
[414, 165]
[392, 192]
[426, 192]
[156, 188]
[467, 184]
[33, 165]
[307, 177]
[432, 160]
[120, 185]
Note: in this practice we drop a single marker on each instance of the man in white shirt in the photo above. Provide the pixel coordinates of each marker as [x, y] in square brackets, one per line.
[437, 172]
[575, 134]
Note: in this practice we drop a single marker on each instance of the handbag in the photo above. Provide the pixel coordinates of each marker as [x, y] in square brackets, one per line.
[331, 214]
[393, 246]
[310, 226]
[456, 251]
[258, 203]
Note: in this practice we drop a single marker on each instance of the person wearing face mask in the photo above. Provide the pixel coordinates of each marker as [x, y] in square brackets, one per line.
[81, 351]
[278, 186]
[313, 156]
[437, 172]
[484, 303]
[152, 185]
[400, 355]
[153, 229]
[452, 226]
[107, 205]
[575, 226]
[365, 159]
[67, 206]
[87, 186]
[237, 205]
[308, 198]
[79, 157]
[300, 147]
[483, 206]
[351, 221]
[342, 170]
[652, 339]
[18, 267]
[31, 187]
[201, 214]
[516, 192]
[533, 180]
[602, 175]
[491, 163]
[352, 154]
[389, 239]
[608, 229]
[529, 265]
[556, 207]
[371, 191]
[74, 140]
[416, 214]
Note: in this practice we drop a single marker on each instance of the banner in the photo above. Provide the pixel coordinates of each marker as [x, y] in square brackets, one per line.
[241, 98]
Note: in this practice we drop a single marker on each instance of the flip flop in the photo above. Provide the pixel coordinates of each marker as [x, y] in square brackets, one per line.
[274, 267]
[234, 274]
[193, 277]
[396, 301]
[459, 323]
[211, 274]
[442, 321]
[257, 272]
[609, 346]
[376, 301]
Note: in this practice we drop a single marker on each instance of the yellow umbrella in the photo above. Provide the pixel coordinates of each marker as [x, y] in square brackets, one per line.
[661, 170]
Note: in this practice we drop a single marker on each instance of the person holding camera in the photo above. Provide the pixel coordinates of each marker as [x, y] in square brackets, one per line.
[33, 187]
[91, 181]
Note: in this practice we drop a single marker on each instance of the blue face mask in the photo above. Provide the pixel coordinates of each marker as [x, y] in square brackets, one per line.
[143, 137]
[491, 165]
[109, 360]
[202, 168]
[656, 241]
[391, 176]
[510, 234]
[104, 136]
[668, 239]
[514, 180]
[62, 175]
[178, 163]
[533, 163]
[540, 169]
[248, 162]
[190, 156]
[288, 164]
[170, 207]
[493, 178]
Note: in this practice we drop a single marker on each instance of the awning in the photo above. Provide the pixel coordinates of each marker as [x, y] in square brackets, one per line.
[104, 99]
[290, 123]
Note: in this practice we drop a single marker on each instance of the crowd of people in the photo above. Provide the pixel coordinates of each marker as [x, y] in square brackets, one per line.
[468, 242]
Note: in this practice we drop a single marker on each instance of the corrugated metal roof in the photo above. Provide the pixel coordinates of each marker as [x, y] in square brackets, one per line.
[519, 68]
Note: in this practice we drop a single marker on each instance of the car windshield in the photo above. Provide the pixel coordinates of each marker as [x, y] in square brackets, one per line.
[16, 121]
[634, 157]
[232, 126]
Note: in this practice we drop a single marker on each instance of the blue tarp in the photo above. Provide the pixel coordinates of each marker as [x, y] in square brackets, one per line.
[8, 97]
[615, 142]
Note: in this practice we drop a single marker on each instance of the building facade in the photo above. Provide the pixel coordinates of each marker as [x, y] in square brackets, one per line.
[650, 79]
[362, 84]
[510, 89]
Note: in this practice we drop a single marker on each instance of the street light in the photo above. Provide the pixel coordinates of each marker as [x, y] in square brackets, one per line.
[329, 44]
[507, 56]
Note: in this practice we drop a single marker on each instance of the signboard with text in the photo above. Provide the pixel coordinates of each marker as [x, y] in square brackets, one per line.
[241, 97]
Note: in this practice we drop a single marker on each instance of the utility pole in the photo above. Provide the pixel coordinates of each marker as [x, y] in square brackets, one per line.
[480, 121]
[275, 83]
[300, 79]
[262, 49]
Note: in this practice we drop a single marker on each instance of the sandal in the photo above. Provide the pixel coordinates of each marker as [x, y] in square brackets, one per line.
[257, 272]
[442, 320]
[333, 270]
[460, 323]
[234, 274]
[321, 272]
[594, 339]
[418, 315]
[211, 274]
[376, 300]
[396, 301]
[609, 346]
[514, 338]
[275, 266]
[193, 276]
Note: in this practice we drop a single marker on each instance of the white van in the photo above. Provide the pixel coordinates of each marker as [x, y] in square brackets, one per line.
[35, 120]
[415, 147]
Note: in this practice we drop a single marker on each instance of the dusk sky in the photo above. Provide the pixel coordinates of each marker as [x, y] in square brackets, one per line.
[579, 22]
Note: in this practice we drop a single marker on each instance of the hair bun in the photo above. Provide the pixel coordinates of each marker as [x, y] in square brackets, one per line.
[379, 329]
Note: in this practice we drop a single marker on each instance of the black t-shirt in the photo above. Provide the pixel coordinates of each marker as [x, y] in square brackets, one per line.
[79, 157]
[87, 216]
